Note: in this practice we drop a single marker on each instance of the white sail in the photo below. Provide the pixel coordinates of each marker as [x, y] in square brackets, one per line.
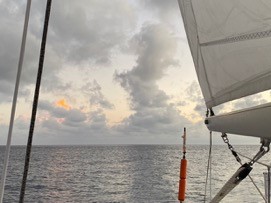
[230, 41]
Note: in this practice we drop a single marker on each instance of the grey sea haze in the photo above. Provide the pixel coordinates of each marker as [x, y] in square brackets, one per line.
[125, 173]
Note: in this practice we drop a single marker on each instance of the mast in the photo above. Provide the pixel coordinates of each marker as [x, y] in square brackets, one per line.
[15, 96]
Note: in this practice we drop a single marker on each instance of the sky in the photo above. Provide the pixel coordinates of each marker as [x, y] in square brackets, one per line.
[115, 72]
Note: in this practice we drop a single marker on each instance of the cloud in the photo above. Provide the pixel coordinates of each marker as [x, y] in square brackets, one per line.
[90, 35]
[249, 101]
[9, 50]
[94, 91]
[79, 32]
[88, 31]
[71, 122]
[153, 115]
[11, 22]
[164, 9]
[194, 95]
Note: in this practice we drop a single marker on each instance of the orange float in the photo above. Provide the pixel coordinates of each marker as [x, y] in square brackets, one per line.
[182, 181]
[183, 167]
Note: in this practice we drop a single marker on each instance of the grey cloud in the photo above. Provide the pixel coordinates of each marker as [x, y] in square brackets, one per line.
[250, 101]
[45, 105]
[98, 121]
[79, 130]
[51, 124]
[153, 57]
[155, 47]
[9, 50]
[194, 94]
[11, 22]
[94, 91]
[79, 31]
[181, 103]
[75, 118]
[89, 30]
[165, 9]
[54, 111]
[72, 116]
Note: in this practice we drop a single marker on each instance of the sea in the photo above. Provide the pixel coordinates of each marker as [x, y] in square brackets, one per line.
[127, 173]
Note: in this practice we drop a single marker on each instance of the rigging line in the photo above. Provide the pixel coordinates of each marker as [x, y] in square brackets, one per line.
[235, 154]
[268, 186]
[258, 189]
[258, 162]
[15, 96]
[210, 154]
[36, 98]
[208, 169]
[244, 37]
[251, 179]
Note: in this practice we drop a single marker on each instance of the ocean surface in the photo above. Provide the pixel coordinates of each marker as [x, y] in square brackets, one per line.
[127, 173]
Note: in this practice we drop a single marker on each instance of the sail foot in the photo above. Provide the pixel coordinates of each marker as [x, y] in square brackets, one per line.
[253, 122]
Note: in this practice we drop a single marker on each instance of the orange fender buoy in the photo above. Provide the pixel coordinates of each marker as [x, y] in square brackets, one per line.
[182, 181]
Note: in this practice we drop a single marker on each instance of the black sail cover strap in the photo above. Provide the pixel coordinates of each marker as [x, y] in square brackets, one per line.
[237, 177]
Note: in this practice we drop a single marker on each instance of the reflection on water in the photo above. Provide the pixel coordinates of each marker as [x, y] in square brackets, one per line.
[135, 173]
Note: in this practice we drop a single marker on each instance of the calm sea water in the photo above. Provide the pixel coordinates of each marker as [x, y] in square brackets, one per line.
[132, 173]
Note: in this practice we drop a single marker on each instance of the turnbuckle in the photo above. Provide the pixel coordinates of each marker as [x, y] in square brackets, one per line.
[226, 140]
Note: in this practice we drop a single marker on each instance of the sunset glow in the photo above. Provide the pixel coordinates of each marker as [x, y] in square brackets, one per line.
[63, 104]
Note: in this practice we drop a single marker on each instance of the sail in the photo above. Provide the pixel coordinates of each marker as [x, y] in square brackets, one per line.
[230, 42]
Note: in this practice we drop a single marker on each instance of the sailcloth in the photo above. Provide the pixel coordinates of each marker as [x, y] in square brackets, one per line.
[230, 42]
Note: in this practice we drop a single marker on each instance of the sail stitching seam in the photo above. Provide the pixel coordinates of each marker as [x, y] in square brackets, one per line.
[257, 35]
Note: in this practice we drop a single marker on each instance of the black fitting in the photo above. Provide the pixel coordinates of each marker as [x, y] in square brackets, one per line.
[244, 173]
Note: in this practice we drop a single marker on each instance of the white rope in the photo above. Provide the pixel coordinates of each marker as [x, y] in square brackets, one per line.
[15, 96]
[210, 158]
[209, 168]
